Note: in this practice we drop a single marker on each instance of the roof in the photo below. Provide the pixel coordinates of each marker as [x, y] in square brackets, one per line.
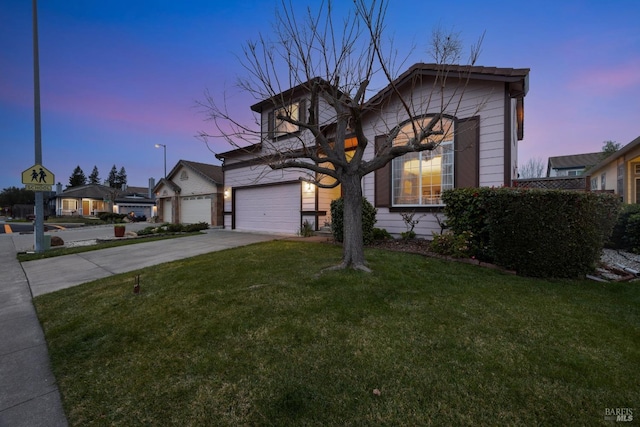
[574, 161]
[211, 173]
[621, 152]
[518, 78]
[253, 148]
[102, 192]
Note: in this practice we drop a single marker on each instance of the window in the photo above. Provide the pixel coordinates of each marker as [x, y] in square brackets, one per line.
[279, 127]
[69, 204]
[594, 183]
[620, 180]
[603, 181]
[418, 179]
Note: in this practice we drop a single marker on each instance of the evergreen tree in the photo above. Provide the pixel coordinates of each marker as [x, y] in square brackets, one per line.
[94, 178]
[77, 178]
[113, 177]
[121, 177]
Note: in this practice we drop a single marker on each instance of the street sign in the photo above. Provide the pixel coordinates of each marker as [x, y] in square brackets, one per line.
[38, 175]
[37, 187]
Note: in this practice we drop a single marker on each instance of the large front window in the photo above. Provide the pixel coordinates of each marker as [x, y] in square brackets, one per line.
[419, 178]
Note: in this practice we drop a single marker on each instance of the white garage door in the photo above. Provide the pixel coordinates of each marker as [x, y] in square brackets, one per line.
[196, 209]
[272, 208]
[166, 210]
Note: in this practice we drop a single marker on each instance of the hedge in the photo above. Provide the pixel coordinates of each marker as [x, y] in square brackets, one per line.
[540, 233]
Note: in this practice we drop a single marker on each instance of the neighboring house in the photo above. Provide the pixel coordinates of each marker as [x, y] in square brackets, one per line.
[480, 149]
[619, 173]
[92, 199]
[191, 193]
[572, 165]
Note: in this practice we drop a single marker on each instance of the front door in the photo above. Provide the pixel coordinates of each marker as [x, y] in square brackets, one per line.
[85, 207]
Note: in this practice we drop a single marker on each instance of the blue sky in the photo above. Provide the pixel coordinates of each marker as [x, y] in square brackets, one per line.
[119, 76]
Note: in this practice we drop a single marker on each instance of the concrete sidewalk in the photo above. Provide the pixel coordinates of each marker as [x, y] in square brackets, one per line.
[29, 395]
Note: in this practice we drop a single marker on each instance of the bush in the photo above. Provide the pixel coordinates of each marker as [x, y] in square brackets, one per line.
[381, 234]
[306, 229]
[368, 220]
[111, 217]
[199, 226]
[626, 234]
[542, 233]
[453, 245]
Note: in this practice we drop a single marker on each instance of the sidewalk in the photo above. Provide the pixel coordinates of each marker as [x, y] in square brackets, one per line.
[29, 395]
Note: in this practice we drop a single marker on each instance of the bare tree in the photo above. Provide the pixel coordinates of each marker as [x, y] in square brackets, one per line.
[335, 60]
[533, 168]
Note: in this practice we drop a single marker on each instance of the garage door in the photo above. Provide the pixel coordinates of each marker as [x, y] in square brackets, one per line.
[196, 209]
[166, 210]
[271, 208]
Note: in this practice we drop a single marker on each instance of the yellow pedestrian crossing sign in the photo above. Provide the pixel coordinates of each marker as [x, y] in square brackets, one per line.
[38, 178]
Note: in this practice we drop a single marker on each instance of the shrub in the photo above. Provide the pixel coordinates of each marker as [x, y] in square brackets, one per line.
[111, 217]
[542, 233]
[174, 228]
[625, 235]
[381, 234]
[368, 220]
[199, 226]
[453, 245]
[306, 229]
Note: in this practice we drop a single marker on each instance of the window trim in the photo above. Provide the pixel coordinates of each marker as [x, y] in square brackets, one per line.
[452, 143]
[274, 122]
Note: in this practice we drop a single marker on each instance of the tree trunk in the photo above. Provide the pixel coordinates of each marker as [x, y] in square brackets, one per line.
[353, 243]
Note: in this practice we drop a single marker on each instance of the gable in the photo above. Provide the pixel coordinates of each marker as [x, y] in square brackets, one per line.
[190, 182]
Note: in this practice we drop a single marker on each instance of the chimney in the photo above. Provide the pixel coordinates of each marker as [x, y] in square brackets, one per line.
[58, 188]
[152, 183]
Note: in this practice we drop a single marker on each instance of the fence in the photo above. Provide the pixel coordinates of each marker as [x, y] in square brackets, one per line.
[576, 183]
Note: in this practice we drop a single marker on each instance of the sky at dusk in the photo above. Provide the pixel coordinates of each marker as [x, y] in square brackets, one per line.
[119, 76]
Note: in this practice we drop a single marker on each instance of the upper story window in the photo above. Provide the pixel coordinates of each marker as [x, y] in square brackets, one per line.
[418, 179]
[279, 127]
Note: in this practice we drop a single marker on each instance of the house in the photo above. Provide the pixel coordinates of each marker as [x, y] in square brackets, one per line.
[483, 124]
[619, 173]
[92, 199]
[191, 193]
[572, 165]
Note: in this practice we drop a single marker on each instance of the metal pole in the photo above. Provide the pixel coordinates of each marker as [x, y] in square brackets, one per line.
[165, 161]
[39, 213]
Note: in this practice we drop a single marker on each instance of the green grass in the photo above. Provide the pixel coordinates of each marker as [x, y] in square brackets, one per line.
[255, 336]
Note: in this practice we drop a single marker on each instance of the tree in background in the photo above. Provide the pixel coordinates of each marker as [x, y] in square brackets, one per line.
[77, 178]
[94, 178]
[534, 168]
[121, 178]
[335, 58]
[112, 180]
[609, 147]
[9, 197]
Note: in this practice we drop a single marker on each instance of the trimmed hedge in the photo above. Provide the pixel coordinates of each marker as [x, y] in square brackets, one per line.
[626, 232]
[539, 233]
[368, 220]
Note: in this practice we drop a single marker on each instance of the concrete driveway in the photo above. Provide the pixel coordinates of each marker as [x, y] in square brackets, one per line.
[52, 274]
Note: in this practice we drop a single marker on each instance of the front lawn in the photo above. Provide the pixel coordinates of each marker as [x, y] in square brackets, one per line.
[255, 336]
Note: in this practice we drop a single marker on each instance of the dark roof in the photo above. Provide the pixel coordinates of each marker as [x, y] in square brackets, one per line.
[211, 173]
[518, 78]
[89, 191]
[621, 152]
[574, 161]
[253, 148]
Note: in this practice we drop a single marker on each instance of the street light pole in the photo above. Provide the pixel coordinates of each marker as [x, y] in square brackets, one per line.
[165, 158]
[38, 244]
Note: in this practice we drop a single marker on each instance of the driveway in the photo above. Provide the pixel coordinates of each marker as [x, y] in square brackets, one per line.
[52, 274]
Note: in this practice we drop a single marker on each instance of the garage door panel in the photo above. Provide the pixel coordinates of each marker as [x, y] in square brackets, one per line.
[196, 209]
[270, 208]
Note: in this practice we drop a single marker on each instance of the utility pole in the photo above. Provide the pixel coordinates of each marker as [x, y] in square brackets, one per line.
[39, 213]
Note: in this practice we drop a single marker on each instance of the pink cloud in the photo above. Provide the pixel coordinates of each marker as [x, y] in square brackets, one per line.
[607, 81]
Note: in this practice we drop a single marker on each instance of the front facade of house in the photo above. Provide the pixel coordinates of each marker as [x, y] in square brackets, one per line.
[92, 199]
[480, 128]
[619, 173]
[191, 193]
